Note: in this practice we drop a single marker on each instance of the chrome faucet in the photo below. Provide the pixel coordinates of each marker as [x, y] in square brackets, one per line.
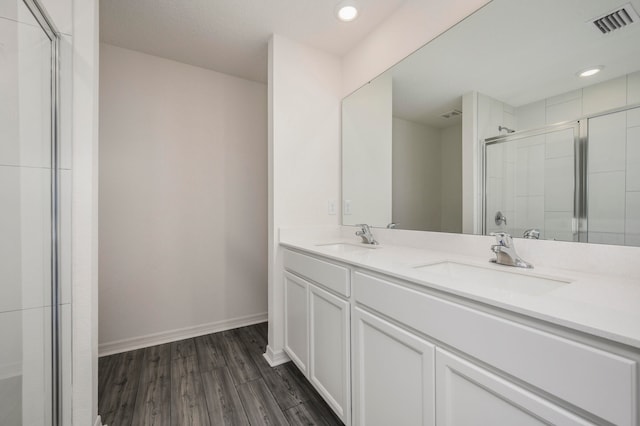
[532, 234]
[366, 234]
[506, 252]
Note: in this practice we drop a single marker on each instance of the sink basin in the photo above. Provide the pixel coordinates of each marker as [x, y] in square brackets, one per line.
[347, 247]
[506, 281]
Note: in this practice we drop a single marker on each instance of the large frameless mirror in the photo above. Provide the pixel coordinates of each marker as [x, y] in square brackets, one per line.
[491, 127]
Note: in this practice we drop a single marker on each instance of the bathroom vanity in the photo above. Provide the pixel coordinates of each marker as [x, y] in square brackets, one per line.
[410, 336]
[423, 329]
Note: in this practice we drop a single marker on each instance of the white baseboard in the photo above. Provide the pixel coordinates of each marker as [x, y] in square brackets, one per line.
[110, 348]
[98, 422]
[275, 357]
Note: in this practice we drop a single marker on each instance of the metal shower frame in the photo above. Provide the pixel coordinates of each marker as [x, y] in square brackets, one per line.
[49, 28]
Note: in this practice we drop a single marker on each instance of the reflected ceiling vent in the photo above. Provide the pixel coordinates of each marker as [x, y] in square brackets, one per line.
[620, 18]
[452, 114]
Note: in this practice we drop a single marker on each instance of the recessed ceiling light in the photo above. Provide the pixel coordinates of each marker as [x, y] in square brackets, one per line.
[346, 11]
[590, 71]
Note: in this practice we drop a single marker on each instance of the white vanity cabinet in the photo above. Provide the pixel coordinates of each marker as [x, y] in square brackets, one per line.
[317, 327]
[422, 357]
[570, 374]
[400, 378]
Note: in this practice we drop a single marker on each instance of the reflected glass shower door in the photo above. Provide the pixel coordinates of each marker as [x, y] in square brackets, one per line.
[613, 178]
[27, 218]
[530, 183]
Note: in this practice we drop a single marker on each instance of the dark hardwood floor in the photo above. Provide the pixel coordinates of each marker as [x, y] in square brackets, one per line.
[217, 379]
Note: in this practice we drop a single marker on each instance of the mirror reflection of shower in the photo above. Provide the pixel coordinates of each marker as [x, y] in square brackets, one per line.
[542, 180]
[530, 179]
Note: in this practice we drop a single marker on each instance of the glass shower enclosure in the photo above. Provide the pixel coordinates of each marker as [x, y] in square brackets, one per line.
[29, 217]
[533, 182]
[573, 181]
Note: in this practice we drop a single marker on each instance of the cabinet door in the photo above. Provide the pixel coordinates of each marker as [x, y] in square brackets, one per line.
[393, 374]
[467, 394]
[296, 328]
[329, 363]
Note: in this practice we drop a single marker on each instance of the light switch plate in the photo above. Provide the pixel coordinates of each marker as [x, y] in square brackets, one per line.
[331, 207]
[347, 207]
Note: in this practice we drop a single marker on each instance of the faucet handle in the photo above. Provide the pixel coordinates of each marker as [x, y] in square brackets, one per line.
[532, 233]
[503, 239]
[366, 234]
[364, 230]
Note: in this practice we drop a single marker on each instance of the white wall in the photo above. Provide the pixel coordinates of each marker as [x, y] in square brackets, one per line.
[417, 175]
[451, 176]
[183, 200]
[366, 154]
[304, 154]
[471, 202]
[409, 28]
[84, 21]
[427, 177]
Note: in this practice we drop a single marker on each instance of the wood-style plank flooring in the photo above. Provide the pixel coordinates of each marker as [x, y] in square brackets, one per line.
[217, 379]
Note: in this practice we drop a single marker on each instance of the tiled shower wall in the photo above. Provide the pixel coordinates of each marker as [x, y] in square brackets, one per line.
[594, 99]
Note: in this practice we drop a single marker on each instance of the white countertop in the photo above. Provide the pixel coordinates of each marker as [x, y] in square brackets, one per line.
[600, 305]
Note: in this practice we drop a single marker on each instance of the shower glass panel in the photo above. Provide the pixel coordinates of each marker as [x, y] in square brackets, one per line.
[530, 183]
[613, 176]
[27, 218]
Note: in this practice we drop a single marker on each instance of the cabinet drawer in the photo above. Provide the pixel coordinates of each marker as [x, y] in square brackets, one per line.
[599, 382]
[333, 277]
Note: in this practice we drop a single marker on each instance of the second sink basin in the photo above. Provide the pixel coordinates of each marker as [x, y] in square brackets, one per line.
[506, 281]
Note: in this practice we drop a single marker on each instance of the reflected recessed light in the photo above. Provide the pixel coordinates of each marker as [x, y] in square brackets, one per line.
[346, 11]
[590, 71]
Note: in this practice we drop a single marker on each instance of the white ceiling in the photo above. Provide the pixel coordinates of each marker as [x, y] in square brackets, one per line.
[231, 36]
[516, 51]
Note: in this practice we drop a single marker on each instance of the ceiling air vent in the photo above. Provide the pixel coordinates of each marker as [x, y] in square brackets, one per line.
[618, 19]
[452, 114]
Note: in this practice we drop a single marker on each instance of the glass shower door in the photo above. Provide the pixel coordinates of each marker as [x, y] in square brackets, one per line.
[27, 218]
[530, 183]
[613, 178]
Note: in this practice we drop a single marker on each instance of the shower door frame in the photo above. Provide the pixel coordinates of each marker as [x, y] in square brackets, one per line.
[51, 31]
[580, 132]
